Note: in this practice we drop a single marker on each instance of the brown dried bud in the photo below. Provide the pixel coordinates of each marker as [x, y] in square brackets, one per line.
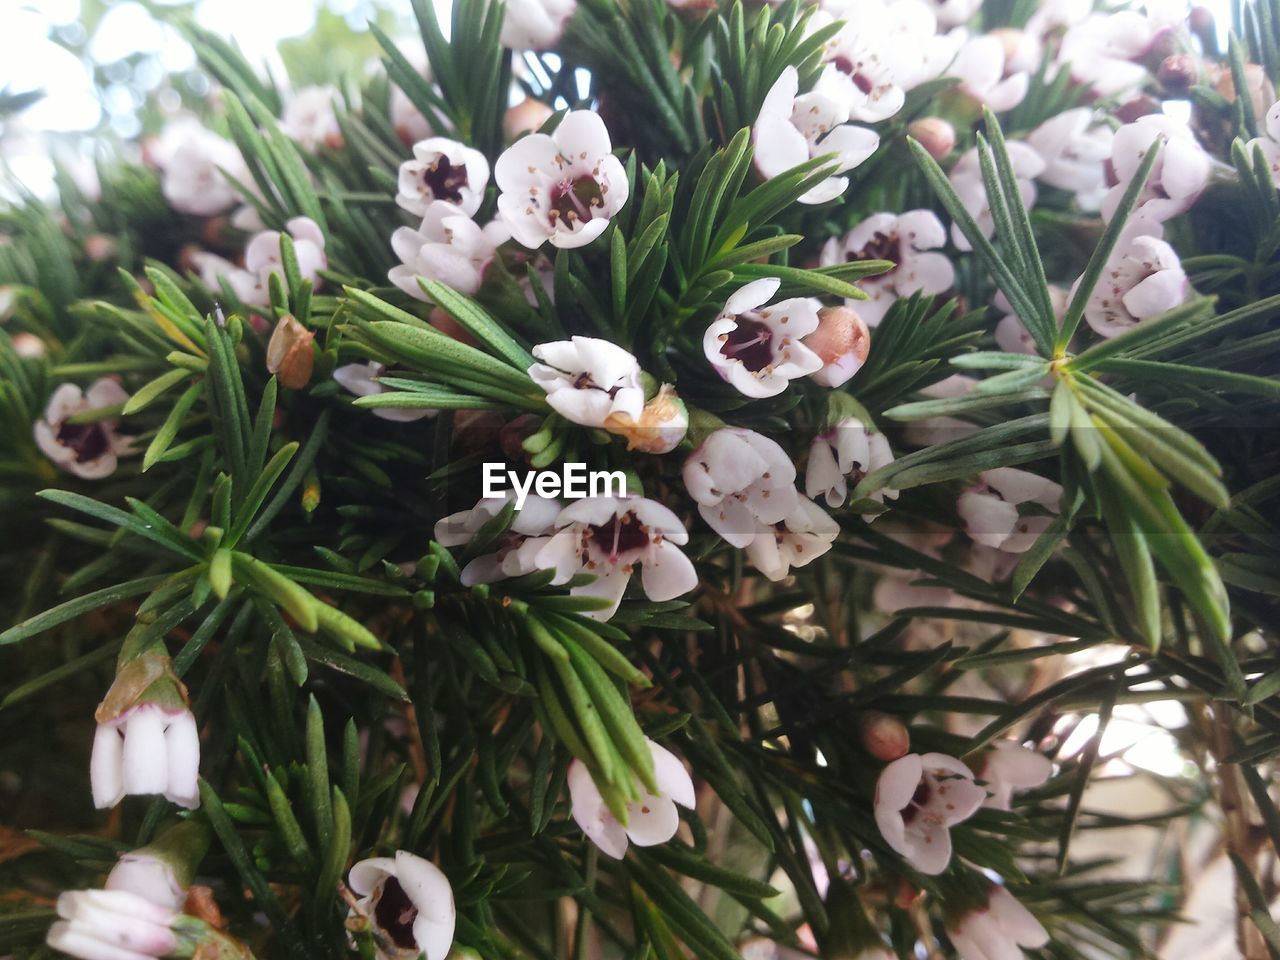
[1178, 73]
[884, 737]
[289, 354]
[200, 904]
[525, 117]
[1142, 106]
[935, 135]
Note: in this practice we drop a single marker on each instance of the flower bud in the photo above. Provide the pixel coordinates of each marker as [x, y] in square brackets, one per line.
[527, 116]
[1261, 92]
[1178, 73]
[513, 434]
[662, 424]
[935, 135]
[884, 737]
[289, 354]
[100, 247]
[842, 341]
[1140, 106]
[450, 327]
[28, 346]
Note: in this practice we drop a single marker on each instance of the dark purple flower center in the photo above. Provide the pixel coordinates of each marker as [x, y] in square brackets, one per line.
[860, 79]
[574, 201]
[620, 535]
[917, 802]
[395, 913]
[444, 180]
[87, 441]
[880, 247]
[750, 343]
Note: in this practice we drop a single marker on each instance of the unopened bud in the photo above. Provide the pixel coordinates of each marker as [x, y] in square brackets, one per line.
[450, 327]
[884, 737]
[935, 135]
[1202, 24]
[1142, 106]
[662, 425]
[1178, 73]
[289, 354]
[28, 346]
[1261, 92]
[842, 341]
[526, 116]
[100, 247]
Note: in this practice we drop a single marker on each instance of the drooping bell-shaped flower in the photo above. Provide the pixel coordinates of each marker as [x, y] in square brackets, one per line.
[919, 798]
[408, 902]
[443, 170]
[759, 349]
[793, 128]
[907, 240]
[162, 870]
[651, 820]
[89, 450]
[147, 741]
[740, 479]
[112, 925]
[609, 537]
[562, 187]
[588, 380]
[998, 931]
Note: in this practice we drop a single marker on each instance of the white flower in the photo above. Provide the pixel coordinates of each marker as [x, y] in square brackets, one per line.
[1180, 173]
[906, 240]
[1075, 152]
[449, 247]
[758, 350]
[802, 536]
[792, 129]
[918, 799]
[148, 876]
[990, 509]
[848, 450]
[409, 902]
[145, 750]
[362, 380]
[517, 552]
[1011, 333]
[587, 380]
[740, 479]
[111, 925]
[651, 820]
[262, 258]
[997, 932]
[1269, 144]
[536, 24]
[89, 450]
[192, 158]
[608, 537]
[443, 169]
[980, 66]
[966, 178]
[1102, 51]
[890, 42]
[1142, 279]
[1010, 766]
[563, 187]
[952, 13]
[309, 119]
[863, 72]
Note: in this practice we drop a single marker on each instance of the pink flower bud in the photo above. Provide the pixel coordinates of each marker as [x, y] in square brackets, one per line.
[842, 341]
[935, 135]
[884, 737]
[527, 116]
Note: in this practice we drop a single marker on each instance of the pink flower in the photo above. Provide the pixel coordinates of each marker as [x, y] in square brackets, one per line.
[918, 799]
[997, 931]
[1010, 766]
[759, 349]
[409, 901]
[990, 509]
[651, 820]
[112, 925]
[89, 450]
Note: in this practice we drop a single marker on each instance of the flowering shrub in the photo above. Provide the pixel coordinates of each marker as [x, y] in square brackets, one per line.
[932, 346]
